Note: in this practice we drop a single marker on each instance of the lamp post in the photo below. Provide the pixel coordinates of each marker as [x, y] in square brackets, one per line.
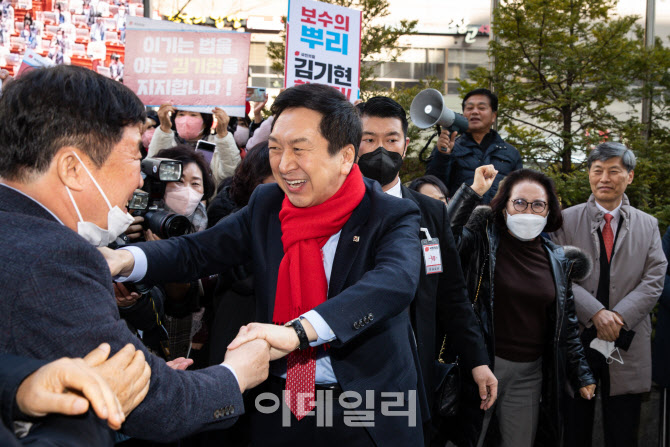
[649, 37]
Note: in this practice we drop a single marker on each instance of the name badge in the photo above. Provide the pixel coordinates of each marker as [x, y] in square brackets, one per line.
[431, 253]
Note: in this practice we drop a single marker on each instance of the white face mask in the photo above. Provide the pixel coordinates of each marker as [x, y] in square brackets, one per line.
[241, 136]
[117, 220]
[606, 348]
[526, 227]
[182, 199]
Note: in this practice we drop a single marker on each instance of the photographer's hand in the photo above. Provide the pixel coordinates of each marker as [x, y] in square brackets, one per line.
[134, 231]
[124, 297]
[150, 236]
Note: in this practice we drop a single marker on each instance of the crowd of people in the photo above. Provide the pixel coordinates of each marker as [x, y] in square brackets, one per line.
[280, 284]
[56, 34]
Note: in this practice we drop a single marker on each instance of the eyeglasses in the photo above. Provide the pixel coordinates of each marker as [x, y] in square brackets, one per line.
[521, 205]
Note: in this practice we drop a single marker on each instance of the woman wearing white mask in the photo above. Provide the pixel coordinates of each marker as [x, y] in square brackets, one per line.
[182, 304]
[528, 317]
[183, 126]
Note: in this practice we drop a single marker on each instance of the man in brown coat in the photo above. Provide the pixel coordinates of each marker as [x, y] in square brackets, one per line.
[614, 302]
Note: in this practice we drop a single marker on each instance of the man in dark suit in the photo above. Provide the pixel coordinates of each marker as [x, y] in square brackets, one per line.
[69, 161]
[65, 396]
[441, 305]
[336, 263]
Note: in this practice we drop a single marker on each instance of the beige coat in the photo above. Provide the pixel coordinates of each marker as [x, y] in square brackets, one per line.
[637, 272]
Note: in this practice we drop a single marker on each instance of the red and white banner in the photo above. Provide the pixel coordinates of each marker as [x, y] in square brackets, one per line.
[32, 60]
[323, 46]
[194, 67]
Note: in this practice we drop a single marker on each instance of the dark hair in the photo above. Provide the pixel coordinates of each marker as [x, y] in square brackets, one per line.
[499, 202]
[605, 151]
[207, 121]
[152, 115]
[493, 99]
[250, 173]
[384, 107]
[47, 109]
[340, 123]
[417, 183]
[186, 155]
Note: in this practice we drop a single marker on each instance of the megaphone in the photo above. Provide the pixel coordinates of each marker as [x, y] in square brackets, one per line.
[428, 109]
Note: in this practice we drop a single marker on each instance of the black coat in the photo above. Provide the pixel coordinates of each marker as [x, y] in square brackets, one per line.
[563, 357]
[459, 167]
[374, 276]
[660, 360]
[441, 305]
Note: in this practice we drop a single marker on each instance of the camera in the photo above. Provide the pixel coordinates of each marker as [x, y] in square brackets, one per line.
[148, 201]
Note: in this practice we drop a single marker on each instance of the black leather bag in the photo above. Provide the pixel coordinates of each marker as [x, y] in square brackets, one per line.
[448, 375]
[448, 385]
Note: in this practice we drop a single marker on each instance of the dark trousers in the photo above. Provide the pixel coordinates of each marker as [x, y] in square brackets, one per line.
[621, 414]
[270, 429]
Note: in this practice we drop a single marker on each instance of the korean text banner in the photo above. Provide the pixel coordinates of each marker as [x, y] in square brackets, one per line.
[323, 46]
[194, 67]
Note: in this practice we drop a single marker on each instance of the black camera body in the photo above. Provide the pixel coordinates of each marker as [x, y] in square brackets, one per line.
[148, 201]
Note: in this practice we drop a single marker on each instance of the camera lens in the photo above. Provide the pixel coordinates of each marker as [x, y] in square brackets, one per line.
[166, 225]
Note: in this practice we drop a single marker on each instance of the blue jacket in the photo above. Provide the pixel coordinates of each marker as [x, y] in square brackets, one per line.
[57, 300]
[459, 167]
[373, 280]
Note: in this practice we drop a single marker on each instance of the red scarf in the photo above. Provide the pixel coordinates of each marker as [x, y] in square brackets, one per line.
[301, 283]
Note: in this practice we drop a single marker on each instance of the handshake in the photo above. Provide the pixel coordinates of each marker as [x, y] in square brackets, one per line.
[256, 344]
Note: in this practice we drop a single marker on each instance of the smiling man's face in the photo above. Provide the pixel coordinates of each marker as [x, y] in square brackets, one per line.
[609, 180]
[480, 115]
[300, 161]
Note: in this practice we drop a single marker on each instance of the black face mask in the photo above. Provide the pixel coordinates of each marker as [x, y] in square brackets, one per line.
[380, 165]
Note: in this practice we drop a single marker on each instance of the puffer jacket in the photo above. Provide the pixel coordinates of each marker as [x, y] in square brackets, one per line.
[459, 167]
[477, 237]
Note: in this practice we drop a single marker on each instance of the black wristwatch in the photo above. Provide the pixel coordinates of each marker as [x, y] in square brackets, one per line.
[302, 335]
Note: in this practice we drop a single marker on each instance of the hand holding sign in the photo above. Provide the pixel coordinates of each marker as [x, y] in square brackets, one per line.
[164, 112]
[222, 120]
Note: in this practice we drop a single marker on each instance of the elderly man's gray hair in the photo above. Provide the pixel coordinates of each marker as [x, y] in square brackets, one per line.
[605, 151]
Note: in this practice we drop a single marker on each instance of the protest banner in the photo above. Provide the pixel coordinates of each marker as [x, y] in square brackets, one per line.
[323, 46]
[193, 67]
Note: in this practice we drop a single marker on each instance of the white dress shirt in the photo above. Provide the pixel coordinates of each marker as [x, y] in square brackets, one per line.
[324, 368]
[616, 213]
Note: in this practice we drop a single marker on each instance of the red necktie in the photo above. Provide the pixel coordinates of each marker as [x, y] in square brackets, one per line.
[300, 376]
[608, 236]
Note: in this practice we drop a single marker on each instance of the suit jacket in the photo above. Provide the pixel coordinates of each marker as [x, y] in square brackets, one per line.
[58, 301]
[53, 430]
[441, 304]
[637, 271]
[375, 273]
